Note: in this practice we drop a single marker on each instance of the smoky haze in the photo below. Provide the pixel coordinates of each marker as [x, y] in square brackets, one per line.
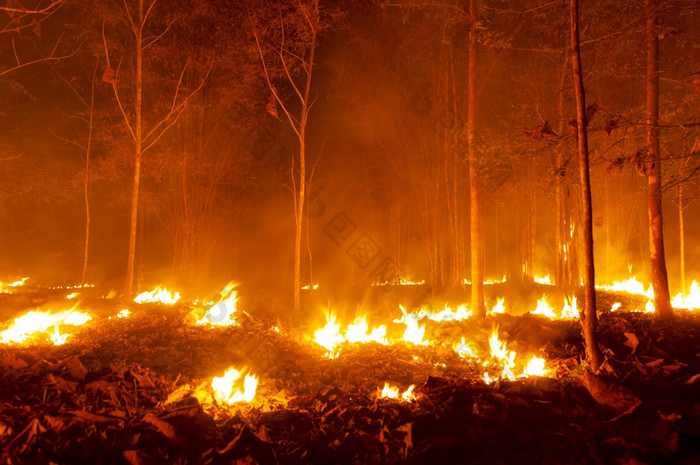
[386, 147]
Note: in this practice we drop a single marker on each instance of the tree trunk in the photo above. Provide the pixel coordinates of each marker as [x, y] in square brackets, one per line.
[659, 276]
[477, 247]
[137, 158]
[588, 315]
[86, 182]
[681, 232]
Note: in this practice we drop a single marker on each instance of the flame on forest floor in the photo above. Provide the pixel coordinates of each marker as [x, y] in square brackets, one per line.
[690, 301]
[36, 323]
[159, 295]
[629, 286]
[231, 389]
[6, 288]
[331, 336]
[310, 287]
[500, 306]
[393, 392]
[223, 311]
[399, 282]
[501, 280]
[569, 309]
[414, 333]
[546, 280]
[505, 360]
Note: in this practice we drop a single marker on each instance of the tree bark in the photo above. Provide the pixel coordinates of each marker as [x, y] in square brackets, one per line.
[657, 254]
[681, 232]
[86, 182]
[131, 257]
[588, 315]
[477, 247]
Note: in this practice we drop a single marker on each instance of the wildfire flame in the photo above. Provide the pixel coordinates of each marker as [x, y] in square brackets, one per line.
[569, 310]
[546, 280]
[691, 301]
[330, 336]
[228, 388]
[160, 295]
[37, 322]
[222, 312]
[629, 286]
[414, 333]
[5, 287]
[392, 392]
[535, 367]
[463, 350]
[500, 306]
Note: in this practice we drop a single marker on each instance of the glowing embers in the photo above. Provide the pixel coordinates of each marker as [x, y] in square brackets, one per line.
[159, 295]
[7, 288]
[545, 280]
[569, 309]
[38, 324]
[331, 336]
[393, 392]
[690, 301]
[231, 389]
[310, 287]
[223, 311]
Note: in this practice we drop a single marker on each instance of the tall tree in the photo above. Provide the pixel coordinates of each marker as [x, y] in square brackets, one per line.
[137, 18]
[588, 315]
[294, 56]
[657, 254]
[475, 226]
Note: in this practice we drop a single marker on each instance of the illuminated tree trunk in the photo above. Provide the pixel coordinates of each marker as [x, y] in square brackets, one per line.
[86, 181]
[588, 315]
[560, 173]
[659, 276]
[475, 226]
[306, 61]
[131, 254]
[681, 232]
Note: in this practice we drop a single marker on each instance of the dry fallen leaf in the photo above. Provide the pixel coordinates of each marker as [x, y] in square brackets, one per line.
[632, 341]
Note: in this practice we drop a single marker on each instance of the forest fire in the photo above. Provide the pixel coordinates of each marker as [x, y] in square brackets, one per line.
[367, 232]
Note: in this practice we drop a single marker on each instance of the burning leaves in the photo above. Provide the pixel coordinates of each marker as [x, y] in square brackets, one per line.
[159, 295]
[38, 325]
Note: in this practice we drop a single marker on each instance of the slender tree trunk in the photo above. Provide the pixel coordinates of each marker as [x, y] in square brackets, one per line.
[477, 246]
[128, 287]
[659, 276]
[681, 232]
[588, 315]
[86, 182]
[562, 222]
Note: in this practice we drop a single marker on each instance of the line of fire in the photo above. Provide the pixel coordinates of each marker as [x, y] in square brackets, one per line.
[349, 232]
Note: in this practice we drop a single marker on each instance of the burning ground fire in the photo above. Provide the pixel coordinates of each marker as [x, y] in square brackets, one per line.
[158, 295]
[38, 324]
[445, 343]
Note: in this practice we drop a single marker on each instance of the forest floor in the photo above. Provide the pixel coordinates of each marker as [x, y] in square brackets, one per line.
[120, 391]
